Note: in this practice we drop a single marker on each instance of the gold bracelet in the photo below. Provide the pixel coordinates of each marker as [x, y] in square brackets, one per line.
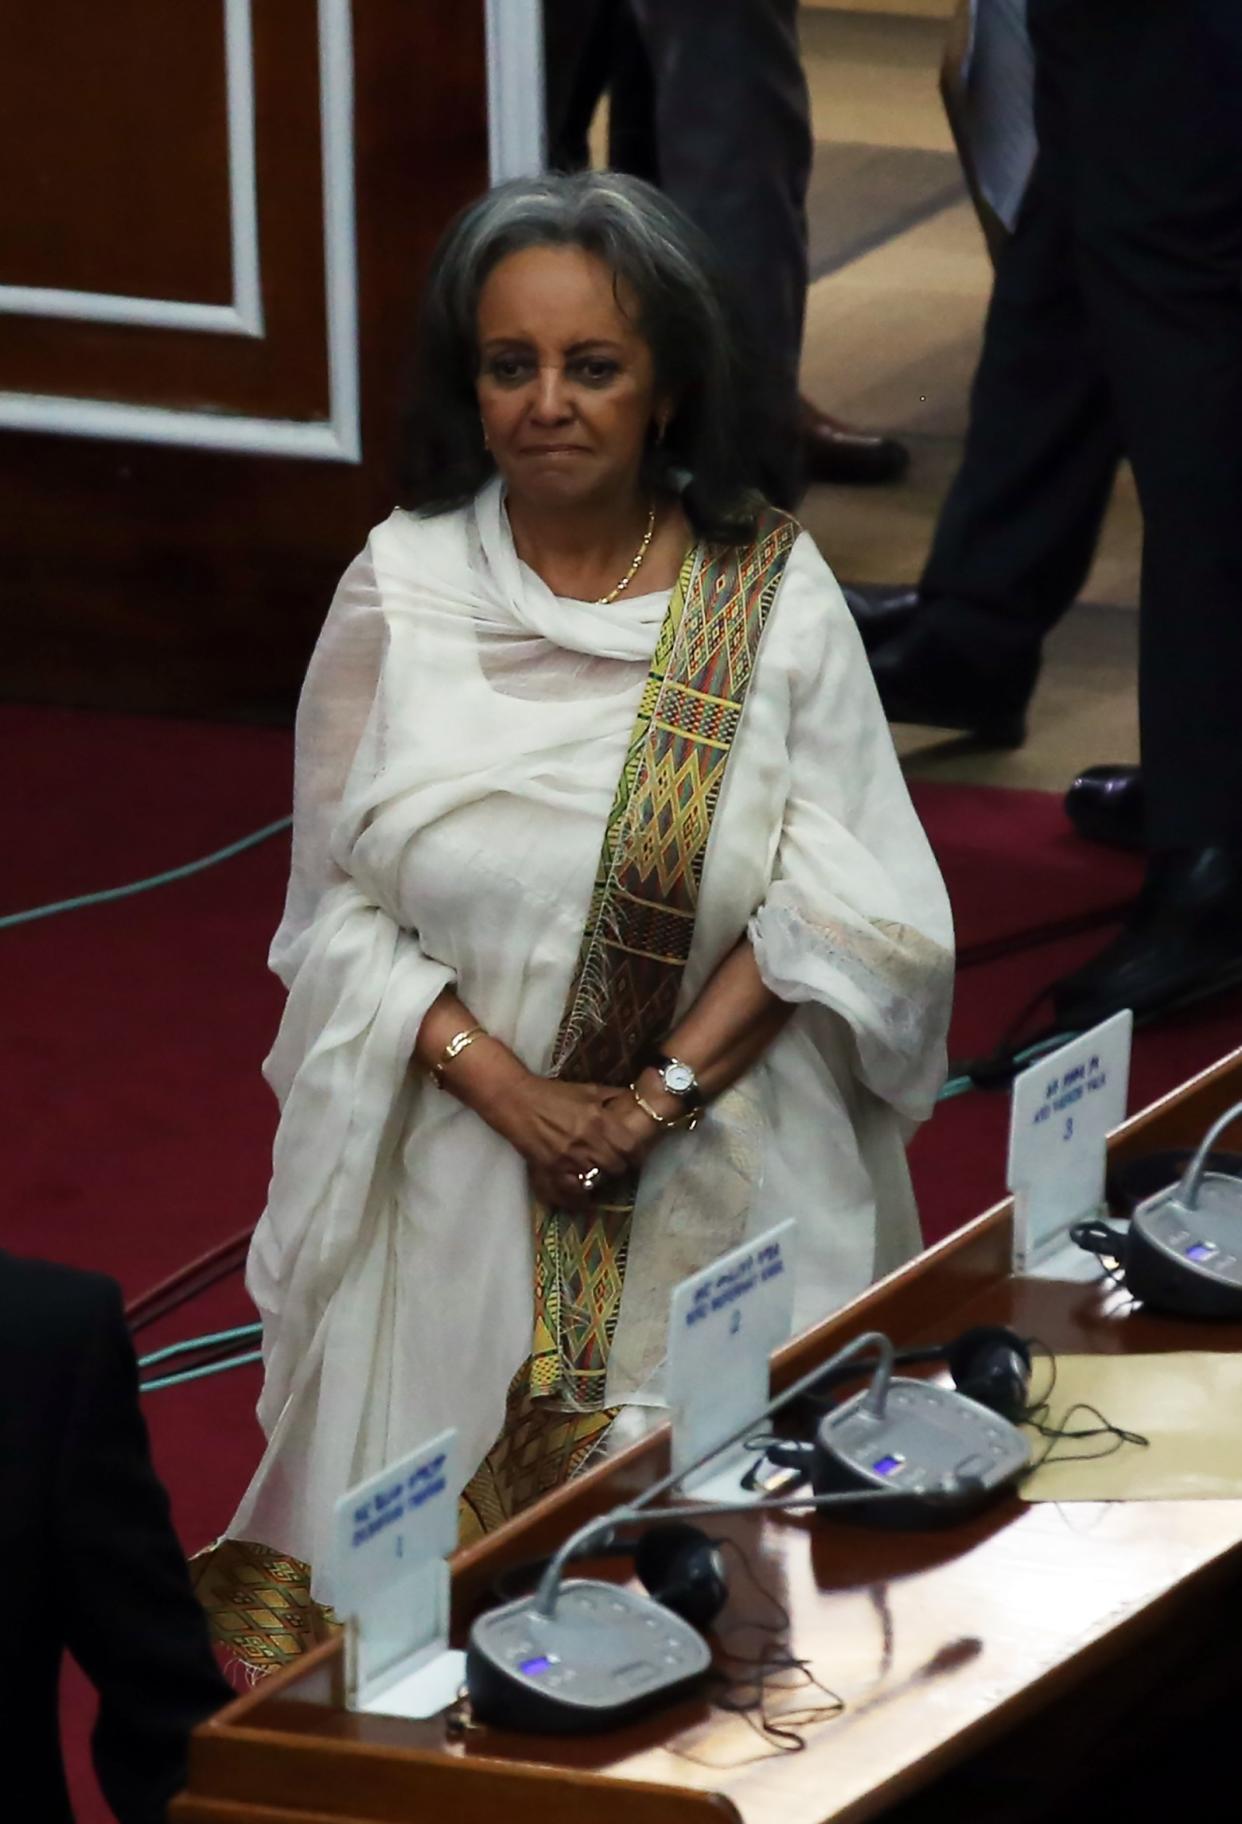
[456, 1045]
[689, 1120]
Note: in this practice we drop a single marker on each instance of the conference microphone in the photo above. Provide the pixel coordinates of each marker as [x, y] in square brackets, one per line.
[1182, 1252]
[586, 1654]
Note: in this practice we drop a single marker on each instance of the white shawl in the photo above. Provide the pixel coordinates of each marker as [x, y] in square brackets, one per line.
[459, 739]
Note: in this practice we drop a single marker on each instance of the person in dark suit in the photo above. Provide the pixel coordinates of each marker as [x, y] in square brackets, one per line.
[1115, 328]
[92, 1565]
[708, 101]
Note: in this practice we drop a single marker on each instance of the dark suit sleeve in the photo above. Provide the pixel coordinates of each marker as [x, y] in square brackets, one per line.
[133, 1622]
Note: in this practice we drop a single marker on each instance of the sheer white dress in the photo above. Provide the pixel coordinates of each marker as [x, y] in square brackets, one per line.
[459, 740]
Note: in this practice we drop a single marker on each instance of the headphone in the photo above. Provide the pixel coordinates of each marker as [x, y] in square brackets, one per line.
[677, 1564]
[989, 1363]
[682, 1568]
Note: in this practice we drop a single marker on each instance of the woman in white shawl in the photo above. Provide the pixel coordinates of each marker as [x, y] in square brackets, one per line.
[612, 937]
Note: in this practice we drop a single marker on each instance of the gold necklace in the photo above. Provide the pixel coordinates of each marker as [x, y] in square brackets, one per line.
[603, 600]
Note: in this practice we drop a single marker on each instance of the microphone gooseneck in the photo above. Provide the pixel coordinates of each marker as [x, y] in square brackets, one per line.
[594, 1531]
[1193, 1178]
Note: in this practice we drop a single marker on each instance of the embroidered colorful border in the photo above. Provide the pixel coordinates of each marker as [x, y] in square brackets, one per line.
[641, 919]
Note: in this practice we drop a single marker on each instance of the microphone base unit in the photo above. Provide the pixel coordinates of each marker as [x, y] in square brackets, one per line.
[605, 1655]
[933, 1457]
[1188, 1261]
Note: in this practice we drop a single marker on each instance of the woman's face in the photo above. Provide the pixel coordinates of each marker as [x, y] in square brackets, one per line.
[566, 385]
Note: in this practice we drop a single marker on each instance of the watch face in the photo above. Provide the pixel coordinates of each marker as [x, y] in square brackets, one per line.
[678, 1078]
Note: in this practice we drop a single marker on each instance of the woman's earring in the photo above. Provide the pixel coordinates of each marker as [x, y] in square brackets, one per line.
[661, 428]
[483, 429]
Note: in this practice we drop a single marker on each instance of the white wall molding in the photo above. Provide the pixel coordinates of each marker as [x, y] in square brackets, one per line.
[243, 177]
[340, 241]
[244, 316]
[156, 424]
[106, 307]
[516, 132]
[338, 438]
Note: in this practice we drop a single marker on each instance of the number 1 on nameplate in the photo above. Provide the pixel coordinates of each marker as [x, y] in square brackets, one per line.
[392, 1535]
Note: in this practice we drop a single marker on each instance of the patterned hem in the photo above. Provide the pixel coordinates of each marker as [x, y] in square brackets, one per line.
[259, 1608]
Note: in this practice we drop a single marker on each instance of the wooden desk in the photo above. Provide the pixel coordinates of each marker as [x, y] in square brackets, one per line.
[939, 1643]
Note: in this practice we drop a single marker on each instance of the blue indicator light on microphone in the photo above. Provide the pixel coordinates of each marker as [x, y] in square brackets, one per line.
[1200, 1250]
[535, 1668]
[884, 1466]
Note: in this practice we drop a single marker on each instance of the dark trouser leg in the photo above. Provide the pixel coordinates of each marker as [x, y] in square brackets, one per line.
[1148, 115]
[734, 136]
[1190, 627]
[592, 47]
[577, 58]
[1017, 532]
[633, 142]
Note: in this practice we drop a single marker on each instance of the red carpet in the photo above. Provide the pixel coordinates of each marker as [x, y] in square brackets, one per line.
[138, 1128]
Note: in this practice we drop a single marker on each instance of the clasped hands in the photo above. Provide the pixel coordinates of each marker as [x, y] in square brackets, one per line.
[573, 1136]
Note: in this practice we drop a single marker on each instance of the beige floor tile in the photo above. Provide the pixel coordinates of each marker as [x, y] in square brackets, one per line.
[874, 79]
[1084, 711]
[882, 535]
[1114, 576]
[894, 337]
[923, 9]
[892, 342]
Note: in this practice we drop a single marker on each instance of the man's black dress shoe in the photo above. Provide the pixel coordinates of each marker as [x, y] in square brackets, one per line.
[880, 613]
[1183, 940]
[922, 678]
[833, 451]
[1106, 804]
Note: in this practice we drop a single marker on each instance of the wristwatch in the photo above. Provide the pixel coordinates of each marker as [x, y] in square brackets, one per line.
[678, 1079]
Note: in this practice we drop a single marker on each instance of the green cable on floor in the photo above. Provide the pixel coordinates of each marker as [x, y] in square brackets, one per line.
[199, 1342]
[958, 1086]
[238, 1334]
[197, 1374]
[9, 919]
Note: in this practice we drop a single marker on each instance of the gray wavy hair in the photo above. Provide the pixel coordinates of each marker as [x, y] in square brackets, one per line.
[685, 312]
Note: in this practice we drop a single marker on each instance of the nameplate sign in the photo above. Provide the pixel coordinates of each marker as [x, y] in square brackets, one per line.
[724, 1323]
[390, 1581]
[394, 1521]
[1064, 1107]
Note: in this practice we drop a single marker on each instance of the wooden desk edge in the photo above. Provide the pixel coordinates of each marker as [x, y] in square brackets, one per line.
[1058, 1680]
[275, 1774]
[954, 1270]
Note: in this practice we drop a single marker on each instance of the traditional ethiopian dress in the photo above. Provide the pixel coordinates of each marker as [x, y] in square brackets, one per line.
[478, 764]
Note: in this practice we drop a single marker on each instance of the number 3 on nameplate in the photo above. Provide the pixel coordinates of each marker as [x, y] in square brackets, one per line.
[1065, 1105]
